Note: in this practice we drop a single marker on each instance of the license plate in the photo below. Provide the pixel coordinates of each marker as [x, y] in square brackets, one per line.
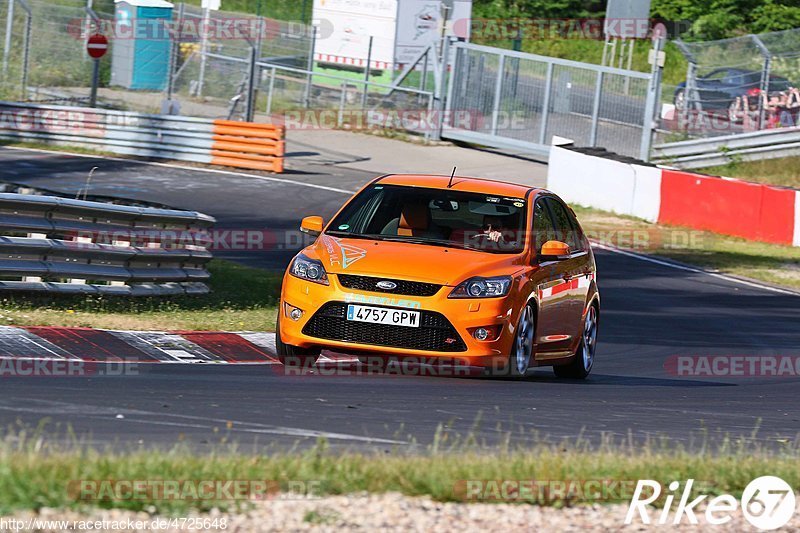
[381, 315]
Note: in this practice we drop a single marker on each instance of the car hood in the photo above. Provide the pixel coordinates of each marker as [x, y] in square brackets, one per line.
[415, 262]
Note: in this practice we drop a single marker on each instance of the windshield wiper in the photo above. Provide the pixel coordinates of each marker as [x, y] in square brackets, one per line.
[337, 233]
[434, 242]
[411, 240]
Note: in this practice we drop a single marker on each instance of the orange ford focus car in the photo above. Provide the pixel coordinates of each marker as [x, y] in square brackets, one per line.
[456, 270]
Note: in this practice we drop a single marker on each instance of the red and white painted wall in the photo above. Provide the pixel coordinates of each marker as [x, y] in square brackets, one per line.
[724, 205]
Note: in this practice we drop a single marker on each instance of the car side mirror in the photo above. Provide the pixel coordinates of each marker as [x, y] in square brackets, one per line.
[554, 251]
[311, 225]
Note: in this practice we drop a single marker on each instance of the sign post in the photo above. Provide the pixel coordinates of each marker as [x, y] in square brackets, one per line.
[96, 47]
[208, 6]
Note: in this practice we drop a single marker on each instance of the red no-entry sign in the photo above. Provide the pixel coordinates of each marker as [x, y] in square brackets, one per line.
[97, 46]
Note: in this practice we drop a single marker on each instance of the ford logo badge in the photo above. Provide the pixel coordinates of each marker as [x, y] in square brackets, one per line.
[386, 285]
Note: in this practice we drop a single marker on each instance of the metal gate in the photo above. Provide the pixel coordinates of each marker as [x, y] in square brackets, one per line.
[518, 101]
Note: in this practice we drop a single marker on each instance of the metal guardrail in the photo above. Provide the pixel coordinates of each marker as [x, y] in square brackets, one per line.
[713, 151]
[51, 244]
[239, 144]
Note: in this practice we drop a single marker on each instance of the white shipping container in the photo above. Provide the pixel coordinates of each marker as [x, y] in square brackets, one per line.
[400, 29]
[348, 26]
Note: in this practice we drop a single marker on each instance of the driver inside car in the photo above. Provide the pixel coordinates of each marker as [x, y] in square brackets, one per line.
[497, 229]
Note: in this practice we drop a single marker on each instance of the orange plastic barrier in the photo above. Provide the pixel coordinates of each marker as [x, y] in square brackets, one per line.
[248, 145]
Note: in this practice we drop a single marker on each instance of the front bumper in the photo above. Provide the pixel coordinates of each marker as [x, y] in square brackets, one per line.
[433, 339]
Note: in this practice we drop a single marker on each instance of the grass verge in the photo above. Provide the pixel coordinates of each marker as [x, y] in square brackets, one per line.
[771, 263]
[241, 299]
[782, 171]
[33, 475]
[75, 149]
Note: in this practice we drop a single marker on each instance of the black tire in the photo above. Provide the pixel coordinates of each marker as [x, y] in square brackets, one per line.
[583, 360]
[522, 351]
[294, 355]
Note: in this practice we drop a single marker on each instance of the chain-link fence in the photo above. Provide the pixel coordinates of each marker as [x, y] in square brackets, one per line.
[519, 100]
[737, 85]
[44, 47]
[219, 64]
[195, 62]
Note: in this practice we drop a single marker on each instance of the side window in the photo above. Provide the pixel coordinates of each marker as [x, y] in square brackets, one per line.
[736, 78]
[566, 225]
[543, 229]
[716, 75]
[580, 238]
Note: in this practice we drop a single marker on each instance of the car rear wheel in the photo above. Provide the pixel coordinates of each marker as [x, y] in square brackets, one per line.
[582, 363]
[294, 355]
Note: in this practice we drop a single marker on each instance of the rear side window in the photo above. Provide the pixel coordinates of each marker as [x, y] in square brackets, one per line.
[567, 227]
[735, 79]
[543, 229]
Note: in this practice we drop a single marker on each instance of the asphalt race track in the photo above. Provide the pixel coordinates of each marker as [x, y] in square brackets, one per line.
[651, 312]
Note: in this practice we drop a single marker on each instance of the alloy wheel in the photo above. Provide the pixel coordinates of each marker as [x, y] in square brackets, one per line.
[524, 341]
[589, 338]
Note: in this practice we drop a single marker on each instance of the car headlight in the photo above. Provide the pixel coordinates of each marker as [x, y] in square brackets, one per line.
[482, 288]
[309, 269]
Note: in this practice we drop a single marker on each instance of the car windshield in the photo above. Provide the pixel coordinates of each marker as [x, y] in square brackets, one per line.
[437, 217]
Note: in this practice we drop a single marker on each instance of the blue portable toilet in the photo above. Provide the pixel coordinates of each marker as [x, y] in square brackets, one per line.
[141, 52]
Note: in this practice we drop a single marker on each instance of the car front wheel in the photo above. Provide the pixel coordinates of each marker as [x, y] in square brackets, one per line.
[522, 348]
[294, 355]
[581, 364]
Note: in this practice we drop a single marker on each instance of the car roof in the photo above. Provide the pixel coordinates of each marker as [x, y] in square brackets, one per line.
[460, 183]
[737, 70]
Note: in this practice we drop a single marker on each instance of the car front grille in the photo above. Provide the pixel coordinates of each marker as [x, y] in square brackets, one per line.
[435, 333]
[406, 288]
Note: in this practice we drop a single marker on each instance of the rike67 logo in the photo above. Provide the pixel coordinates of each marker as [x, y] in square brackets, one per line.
[768, 502]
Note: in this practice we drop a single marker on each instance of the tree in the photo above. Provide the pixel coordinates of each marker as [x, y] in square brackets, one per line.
[774, 15]
[708, 19]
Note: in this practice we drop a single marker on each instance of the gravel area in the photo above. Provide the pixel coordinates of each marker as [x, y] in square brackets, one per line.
[395, 512]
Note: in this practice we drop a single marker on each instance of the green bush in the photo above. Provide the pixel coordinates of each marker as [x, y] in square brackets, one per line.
[714, 19]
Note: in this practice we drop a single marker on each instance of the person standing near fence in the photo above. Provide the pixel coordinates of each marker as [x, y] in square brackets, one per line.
[792, 108]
